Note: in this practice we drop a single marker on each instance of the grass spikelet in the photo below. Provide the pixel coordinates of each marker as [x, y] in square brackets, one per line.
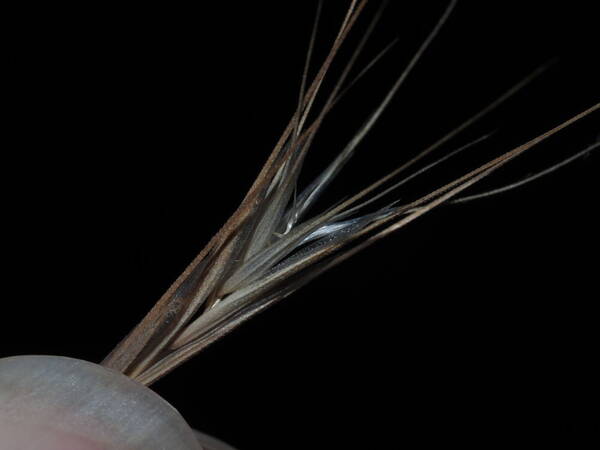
[275, 242]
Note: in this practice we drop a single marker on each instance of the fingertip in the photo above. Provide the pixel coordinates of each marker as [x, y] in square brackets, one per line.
[50, 401]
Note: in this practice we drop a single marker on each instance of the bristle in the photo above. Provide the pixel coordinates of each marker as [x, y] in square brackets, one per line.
[542, 173]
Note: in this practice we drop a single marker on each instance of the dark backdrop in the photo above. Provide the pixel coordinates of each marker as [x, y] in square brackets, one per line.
[132, 133]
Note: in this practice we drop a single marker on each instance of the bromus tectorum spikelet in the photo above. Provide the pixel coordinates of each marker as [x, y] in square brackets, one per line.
[274, 243]
[323, 196]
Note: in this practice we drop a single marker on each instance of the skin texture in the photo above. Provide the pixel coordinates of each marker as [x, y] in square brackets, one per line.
[49, 402]
[38, 436]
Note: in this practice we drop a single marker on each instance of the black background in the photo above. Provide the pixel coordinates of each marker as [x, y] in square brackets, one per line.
[132, 134]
